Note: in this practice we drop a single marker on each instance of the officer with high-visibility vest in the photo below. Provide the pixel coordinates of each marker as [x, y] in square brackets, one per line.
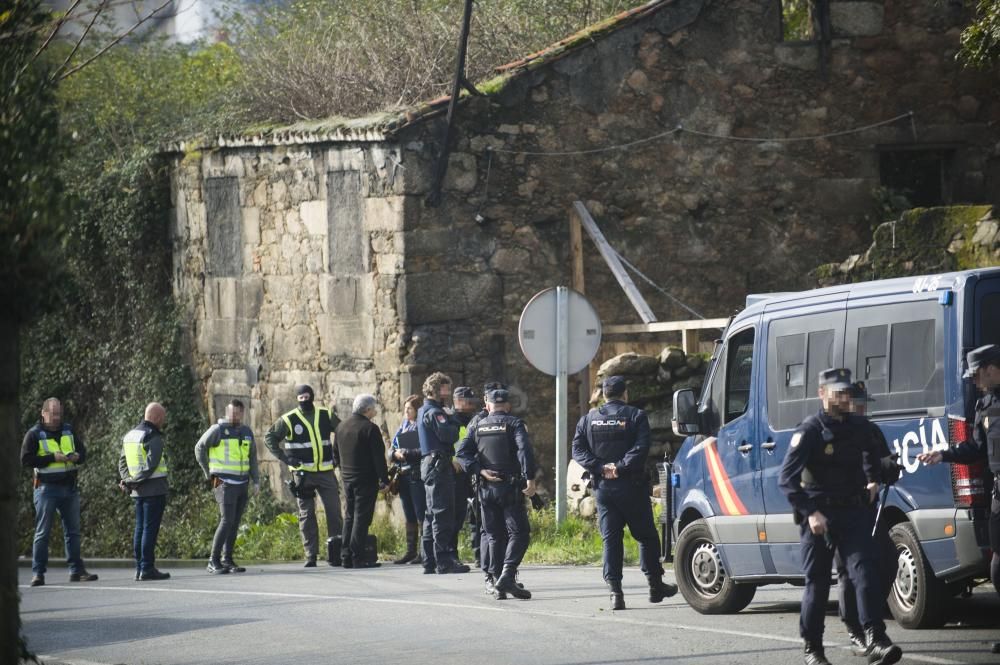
[55, 452]
[303, 439]
[143, 469]
[227, 454]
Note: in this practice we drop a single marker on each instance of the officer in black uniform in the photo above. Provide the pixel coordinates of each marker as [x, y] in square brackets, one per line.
[830, 458]
[612, 443]
[438, 433]
[465, 401]
[478, 538]
[887, 558]
[498, 450]
[984, 370]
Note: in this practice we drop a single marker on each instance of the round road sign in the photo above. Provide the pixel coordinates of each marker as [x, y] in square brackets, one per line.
[538, 330]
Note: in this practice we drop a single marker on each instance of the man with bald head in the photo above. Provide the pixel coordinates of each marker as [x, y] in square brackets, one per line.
[55, 452]
[143, 469]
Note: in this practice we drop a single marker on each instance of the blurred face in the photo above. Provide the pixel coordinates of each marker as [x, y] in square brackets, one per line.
[835, 402]
[234, 414]
[465, 405]
[987, 378]
[52, 414]
[444, 393]
[859, 406]
[410, 412]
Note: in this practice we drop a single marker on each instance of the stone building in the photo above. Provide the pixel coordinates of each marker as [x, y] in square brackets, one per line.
[309, 252]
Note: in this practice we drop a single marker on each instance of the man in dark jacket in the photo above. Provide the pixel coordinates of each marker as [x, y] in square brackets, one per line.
[143, 469]
[359, 451]
[55, 452]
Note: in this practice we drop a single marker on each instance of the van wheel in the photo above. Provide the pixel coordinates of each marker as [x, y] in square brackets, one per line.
[701, 576]
[917, 599]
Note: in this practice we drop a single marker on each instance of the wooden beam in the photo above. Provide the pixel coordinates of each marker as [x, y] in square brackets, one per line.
[576, 251]
[611, 258]
[665, 326]
[689, 340]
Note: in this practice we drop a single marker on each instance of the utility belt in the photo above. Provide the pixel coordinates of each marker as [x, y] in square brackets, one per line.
[68, 480]
[438, 455]
[516, 480]
[859, 500]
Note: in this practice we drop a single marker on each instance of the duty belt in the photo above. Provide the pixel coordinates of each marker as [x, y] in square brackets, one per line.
[438, 454]
[850, 501]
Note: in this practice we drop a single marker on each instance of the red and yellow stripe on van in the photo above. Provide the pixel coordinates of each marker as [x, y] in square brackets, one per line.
[729, 500]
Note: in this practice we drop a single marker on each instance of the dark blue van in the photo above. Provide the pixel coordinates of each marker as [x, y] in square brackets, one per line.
[907, 339]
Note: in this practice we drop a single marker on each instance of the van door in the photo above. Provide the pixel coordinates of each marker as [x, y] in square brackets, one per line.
[986, 312]
[732, 455]
[798, 347]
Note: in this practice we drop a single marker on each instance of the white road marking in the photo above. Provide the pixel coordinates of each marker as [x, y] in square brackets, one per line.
[482, 608]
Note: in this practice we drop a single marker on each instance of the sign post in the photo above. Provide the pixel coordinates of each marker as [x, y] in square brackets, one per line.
[560, 333]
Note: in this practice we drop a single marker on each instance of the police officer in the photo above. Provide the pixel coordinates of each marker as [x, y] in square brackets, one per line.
[143, 468]
[227, 454]
[465, 402]
[612, 443]
[479, 541]
[307, 433]
[831, 457]
[887, 558]
[438, 432]
[55, 452]
[498, 450]
[984, 370]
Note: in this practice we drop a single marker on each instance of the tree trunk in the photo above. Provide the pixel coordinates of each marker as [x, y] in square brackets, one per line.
[10, 446]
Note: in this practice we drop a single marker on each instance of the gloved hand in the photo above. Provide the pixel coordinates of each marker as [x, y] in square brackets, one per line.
[891, 469]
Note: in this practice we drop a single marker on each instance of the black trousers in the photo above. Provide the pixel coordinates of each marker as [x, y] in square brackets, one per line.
[439, 519]
[463, 492]
[622, 503]
[887, 562]
[360, 497]
[505, 523]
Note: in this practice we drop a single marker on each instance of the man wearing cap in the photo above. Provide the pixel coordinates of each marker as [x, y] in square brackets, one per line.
[466, 403]
[831, 459]
[479, 539]
[307, 433]
[498, 450]
[438, 432]
[612, 443]
[984, 370]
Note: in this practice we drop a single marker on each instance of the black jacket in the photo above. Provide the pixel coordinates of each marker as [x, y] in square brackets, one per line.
[31, 459]
[359, 451]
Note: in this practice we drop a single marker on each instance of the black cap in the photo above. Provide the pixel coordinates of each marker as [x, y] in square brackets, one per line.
[303, 389]
[464, 392]
[838, 378]
[984, 355]
[859, 391]
[614, 386]
[490, 386]
[498, 396]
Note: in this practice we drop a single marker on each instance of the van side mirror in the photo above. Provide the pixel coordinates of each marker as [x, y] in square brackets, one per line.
[685, 418]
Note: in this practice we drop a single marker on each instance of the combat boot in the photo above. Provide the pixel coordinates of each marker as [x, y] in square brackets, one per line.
[411, 544]
[856, 634]
[507, 583]
[658, 589]
[814, 654]
[881, 650]
[617, 595]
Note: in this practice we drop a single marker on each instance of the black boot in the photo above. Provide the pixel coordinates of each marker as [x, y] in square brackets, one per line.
[881, 650]
[411, 544]
[859, 646]
[814, 654]
[617, 595]
[507, 583]
[658, 589]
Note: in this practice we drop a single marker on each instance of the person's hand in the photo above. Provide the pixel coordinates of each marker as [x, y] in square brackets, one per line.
[872, 492]
[456, 465]
[930, 459]
[489, 476]
[123, 486]
[529, 488]
[293, 463]
[382, 486]
[398, 455]
[73, 457]
[60, 457]
[256, 488]
[609, 472]
[817, 523]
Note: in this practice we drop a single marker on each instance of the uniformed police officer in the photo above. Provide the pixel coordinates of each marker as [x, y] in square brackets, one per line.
[984, 370]
[438, 432]
[466, 403]
[612, 443]
[478, 536]
[227, 454]
[498, 450]
[831, 457]
[307, 433]
[887, 559]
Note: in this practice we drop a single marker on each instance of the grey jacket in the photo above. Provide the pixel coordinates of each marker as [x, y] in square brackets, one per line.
[212, 437]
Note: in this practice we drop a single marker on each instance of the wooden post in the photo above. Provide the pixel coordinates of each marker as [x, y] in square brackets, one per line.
[578, 284]
[689, 341]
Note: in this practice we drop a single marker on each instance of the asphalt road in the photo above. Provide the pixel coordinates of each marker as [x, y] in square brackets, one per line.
[278, 614]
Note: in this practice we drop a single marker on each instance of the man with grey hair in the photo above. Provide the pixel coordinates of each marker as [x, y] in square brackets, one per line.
[359, 451]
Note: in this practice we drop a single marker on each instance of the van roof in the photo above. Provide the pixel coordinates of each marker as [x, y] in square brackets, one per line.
[756, 302]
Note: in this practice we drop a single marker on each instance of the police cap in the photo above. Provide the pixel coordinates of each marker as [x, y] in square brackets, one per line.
[837, 378]
[498, 396]
[984, 355]
[614, 386]
[490, 386]
[859, 391]
[464, 392]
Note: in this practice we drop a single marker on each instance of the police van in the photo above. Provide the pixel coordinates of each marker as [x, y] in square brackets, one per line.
[906, 339]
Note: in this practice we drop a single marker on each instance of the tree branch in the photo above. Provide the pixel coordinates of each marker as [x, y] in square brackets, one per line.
[76, 47]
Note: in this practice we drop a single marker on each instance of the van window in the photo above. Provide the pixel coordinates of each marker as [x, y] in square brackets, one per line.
[739, 368]
[989, 319]
[799, 358]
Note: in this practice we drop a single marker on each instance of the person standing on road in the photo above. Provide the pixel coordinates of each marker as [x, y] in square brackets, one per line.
[411, 487]
[612, 443]
[55, 452]
[498, 450]
[831, 458]
[143, 470]
[466, 402]
[227, 454]
[984, 370]
[359, 451]
[438, 432]
[478, 537]
[301, 439]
